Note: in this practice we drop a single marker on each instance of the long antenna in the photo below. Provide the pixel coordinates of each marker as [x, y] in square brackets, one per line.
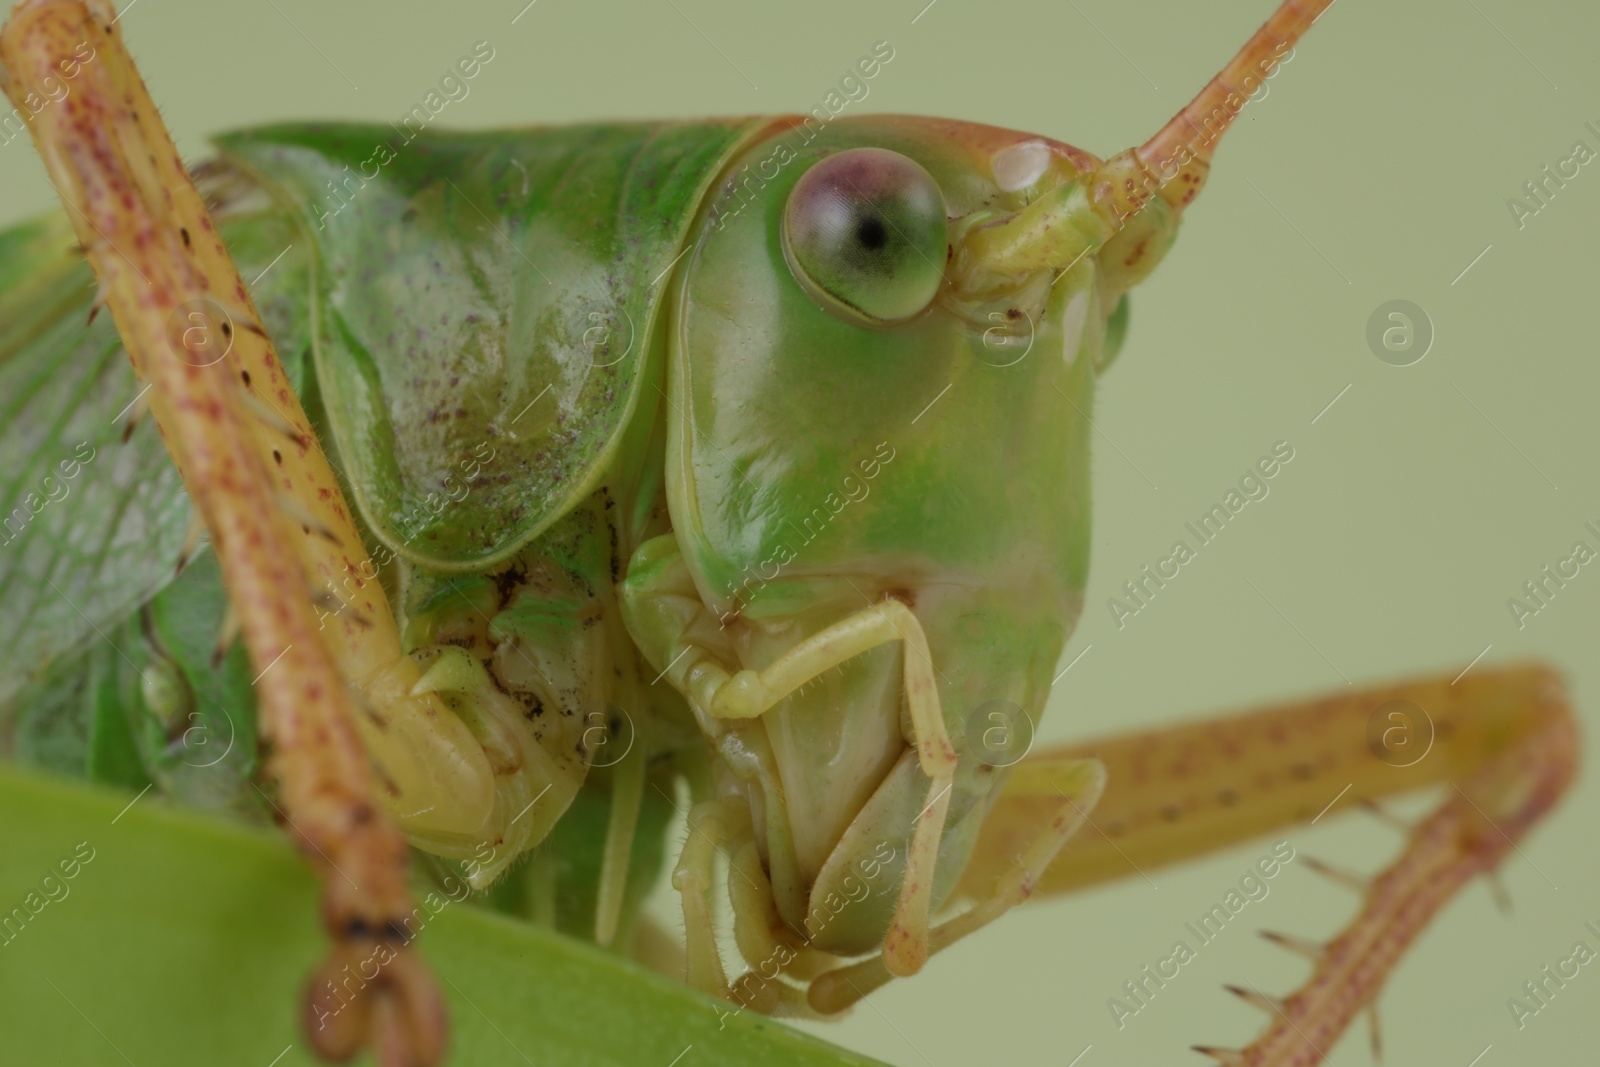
[1176, 160]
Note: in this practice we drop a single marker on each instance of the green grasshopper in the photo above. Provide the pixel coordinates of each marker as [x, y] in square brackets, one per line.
[750, 456]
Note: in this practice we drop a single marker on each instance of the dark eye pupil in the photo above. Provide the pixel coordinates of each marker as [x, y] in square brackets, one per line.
[863, 230]
[872, 233]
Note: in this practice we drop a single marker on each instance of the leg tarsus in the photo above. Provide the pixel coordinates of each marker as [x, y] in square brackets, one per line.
[399, 1012]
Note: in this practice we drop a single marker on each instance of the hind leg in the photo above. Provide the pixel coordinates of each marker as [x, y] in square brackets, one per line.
[1504, 741]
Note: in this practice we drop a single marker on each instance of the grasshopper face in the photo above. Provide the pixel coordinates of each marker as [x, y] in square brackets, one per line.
[882, 365]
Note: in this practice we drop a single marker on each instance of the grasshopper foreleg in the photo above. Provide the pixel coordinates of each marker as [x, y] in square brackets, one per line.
[749, 693]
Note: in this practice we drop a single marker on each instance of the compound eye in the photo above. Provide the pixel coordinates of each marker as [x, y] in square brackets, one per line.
[864, 232]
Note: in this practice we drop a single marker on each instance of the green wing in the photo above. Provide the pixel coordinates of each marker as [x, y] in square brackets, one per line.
[91, 525]
[484, 306]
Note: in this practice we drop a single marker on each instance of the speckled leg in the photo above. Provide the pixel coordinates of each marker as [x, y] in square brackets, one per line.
[171, 287]
[1504, 741]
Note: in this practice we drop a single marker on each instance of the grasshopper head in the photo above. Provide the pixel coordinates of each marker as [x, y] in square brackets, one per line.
[883, 347]
[848, 425]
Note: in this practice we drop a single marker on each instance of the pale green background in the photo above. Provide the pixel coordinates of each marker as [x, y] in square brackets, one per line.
[1388, 148]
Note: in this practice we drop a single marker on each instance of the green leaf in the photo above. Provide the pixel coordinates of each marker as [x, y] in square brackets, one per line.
[187, 940]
